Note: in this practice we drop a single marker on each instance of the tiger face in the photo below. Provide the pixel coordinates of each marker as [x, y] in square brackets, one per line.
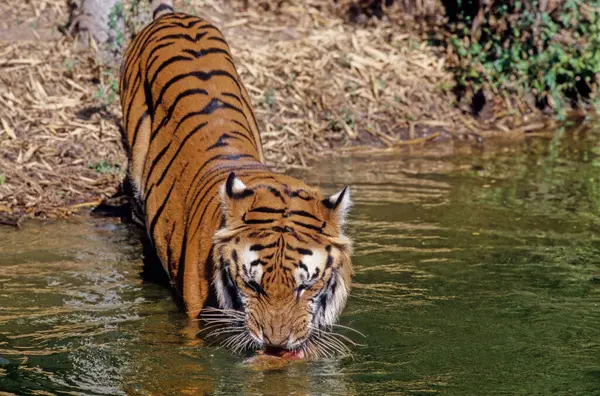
[282, 262]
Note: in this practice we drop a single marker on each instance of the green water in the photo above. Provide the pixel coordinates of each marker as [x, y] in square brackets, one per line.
[477, 273]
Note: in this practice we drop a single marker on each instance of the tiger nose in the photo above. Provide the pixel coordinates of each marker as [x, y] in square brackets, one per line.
[277, 340]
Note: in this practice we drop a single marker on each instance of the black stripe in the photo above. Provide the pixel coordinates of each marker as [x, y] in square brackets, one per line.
[297, 237]
[148, 98]
[201, 215]
[157, 57]
[248, 138]
[313, 237]
[136, 86]
[147, 195]
[220, 142]
[163, 205]
[194, 23]
[155, 162]
[164, 65]
[256, 262]
[257, 221]
[280, 229]
[304, 214]
[202, 76]
[263, 209]
[141, 42]
[300, 250]
[276, 193]
[171, 110]
[254, 285]
[301, 194]
[219, 39]
[183, 36]
[243, 126]
[317, 271]
[309, 226]
[169, 249]
[216, 104]
[182, 254]
[206, 51]
[160, 8]
[303, 266]
[181, 145]
[231, 95]
[137, 127]
[258, 247]
[329, 262]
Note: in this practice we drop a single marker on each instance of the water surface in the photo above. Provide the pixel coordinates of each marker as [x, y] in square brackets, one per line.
[476, 273]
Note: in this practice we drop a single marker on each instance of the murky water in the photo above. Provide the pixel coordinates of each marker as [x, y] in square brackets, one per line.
[475, 274]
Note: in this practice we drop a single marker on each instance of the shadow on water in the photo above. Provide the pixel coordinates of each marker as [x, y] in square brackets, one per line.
[476, 273]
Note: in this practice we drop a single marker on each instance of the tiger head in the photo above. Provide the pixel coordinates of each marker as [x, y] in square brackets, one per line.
[282, 262]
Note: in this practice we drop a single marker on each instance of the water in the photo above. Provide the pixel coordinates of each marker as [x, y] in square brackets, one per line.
[476, 274]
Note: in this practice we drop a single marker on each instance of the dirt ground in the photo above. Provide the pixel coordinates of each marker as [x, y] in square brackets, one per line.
[320, 86]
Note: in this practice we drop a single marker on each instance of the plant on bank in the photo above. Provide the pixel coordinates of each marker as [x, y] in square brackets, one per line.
[527, 48]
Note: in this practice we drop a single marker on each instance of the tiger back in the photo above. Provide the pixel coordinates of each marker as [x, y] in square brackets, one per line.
[178, 81]
[196, 168]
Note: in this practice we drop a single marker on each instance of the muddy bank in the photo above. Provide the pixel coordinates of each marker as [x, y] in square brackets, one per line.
[321, 85]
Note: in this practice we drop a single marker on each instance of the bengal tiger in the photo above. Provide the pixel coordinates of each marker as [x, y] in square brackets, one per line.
[270, 248]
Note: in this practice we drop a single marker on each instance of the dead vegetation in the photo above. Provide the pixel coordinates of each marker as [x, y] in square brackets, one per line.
[320, 85]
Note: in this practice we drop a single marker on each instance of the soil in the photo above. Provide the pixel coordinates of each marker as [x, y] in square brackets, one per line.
[320, 84]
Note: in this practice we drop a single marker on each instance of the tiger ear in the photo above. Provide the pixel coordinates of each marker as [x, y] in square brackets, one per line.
[232, 191]
[338, 205]
[234, 188]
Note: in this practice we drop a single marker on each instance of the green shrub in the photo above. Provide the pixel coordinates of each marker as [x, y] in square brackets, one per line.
[519, 48]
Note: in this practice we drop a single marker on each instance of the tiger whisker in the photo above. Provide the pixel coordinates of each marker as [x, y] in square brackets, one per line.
[213, 325]
[345, 338]
[323, 347]
[219, 317]
[349, 328]
[243, 345]
[223, 321]
[237, 341]
[328, 350]
[334, 334]
[218, 332]
[225, 343]
[332, 344]
[337, 345]
[221, 312]
[207, 328]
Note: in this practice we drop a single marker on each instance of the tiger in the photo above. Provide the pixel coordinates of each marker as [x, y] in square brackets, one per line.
[270, 250]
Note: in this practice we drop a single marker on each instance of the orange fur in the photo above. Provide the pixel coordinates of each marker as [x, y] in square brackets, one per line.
[188, 126]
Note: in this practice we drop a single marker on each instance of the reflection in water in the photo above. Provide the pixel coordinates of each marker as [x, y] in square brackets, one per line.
[475, 274]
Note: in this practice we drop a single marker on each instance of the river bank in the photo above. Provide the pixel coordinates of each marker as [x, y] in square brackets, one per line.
[321, 84]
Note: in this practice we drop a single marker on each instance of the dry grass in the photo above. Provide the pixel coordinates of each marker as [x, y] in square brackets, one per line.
[58, 148]
[320, 86]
